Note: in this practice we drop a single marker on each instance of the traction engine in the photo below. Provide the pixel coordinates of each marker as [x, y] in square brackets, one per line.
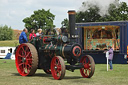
[54, 54]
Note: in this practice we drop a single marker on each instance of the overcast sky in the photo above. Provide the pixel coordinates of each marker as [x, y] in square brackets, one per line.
[12, 12]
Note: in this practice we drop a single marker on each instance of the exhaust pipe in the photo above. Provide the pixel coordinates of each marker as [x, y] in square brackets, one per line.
[72, 22]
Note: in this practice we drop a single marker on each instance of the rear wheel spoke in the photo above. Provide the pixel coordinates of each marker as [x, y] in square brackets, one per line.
[23, 72]
[29, 66]
[28, 54]
[21, 64]
[20, 56]
[24, 51]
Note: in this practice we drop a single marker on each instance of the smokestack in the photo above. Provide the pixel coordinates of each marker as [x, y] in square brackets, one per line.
[72, 21]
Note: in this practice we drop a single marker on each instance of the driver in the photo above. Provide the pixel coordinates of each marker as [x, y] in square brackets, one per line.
[23, 36]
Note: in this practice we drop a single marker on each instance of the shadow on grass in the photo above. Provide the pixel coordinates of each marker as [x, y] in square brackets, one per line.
[50, 76]
[72, 77]
[16, 74]
[42, 75]
[35, 75]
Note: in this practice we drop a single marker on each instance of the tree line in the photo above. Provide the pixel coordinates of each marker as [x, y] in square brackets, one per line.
[6, 33]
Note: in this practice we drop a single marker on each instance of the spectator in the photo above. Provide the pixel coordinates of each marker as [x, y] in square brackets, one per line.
[23, 36]
[110, 58]
[32, 34]
[39, 31]
[8, 56]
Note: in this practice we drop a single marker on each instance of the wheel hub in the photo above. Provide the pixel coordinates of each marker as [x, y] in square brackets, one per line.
[23, 59]
[55, 67]
[86, 66]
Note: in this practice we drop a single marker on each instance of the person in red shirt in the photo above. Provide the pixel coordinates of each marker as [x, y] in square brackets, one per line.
[32, 34]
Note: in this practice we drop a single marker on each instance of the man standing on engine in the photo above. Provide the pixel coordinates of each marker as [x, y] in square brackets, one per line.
[23, 36]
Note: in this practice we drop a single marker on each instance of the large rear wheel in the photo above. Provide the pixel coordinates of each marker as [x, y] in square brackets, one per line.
[26, 59]
[58, 68]
[89, 66]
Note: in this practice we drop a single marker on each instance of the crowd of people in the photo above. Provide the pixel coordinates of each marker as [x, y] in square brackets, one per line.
[23, 35]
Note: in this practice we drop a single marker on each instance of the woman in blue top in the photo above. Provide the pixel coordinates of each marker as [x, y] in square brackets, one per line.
[23, 36]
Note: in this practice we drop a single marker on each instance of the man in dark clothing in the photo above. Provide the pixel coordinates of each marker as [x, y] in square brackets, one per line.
[23, 36]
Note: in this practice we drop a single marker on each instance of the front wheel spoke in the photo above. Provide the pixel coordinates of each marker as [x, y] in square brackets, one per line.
[88, 62]
[59, 67]
[59, 72]
[58, 62]
[82, 69]
[89, 70]
[85, 66]
[86, 71]
[84, 60]
[55, 62]
[55, 72]
[89, 66]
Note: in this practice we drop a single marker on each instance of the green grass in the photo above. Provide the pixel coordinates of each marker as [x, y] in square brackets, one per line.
[10, 76]
[10, 43]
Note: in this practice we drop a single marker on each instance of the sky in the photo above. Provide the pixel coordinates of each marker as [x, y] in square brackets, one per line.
[12, 12]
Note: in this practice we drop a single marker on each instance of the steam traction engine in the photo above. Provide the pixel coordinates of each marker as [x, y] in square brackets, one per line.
[48, 52]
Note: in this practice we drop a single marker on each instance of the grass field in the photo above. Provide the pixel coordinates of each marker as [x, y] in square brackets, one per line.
[11, 43]
[10, 76]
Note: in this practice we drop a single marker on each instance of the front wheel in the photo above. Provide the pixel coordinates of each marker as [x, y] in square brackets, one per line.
[89, 66]
[58, 68]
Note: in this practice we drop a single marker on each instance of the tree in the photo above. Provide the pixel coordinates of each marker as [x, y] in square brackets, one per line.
[40, 19]
[89, 15]
[6, 33]
[115, 13]
[65, 23]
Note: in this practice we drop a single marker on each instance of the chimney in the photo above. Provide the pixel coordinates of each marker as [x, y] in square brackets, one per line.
[72, 22]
